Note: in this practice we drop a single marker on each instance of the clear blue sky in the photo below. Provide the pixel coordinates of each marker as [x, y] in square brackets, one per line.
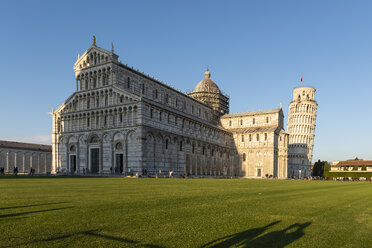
[257, 52]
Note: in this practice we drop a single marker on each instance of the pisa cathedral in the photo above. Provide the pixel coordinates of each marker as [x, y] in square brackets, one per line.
[122, 121]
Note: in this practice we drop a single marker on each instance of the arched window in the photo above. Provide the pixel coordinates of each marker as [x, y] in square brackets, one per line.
[265, 136]
[151, 113]
[119, 146]
[250, 137]
[267, 119]
[242, 137]
[257, 137]
[230, 122]
[244, 157]
[94, 139]
[72, 148]
[253, 121]
[193, 148]
[180, 146]
[166, 144]
[241, 122]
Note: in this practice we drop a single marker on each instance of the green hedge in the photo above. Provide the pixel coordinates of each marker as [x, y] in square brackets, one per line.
[352, 174]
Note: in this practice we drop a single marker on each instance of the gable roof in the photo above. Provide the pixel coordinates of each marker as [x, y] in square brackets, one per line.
[25, 146]
[354, 163]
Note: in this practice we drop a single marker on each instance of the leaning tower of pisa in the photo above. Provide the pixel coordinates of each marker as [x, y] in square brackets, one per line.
[301, 128]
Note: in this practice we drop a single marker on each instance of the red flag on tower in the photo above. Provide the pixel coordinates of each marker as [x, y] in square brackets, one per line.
[302, 78]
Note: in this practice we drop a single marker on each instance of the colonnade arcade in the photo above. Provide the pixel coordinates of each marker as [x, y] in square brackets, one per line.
[184, 155]
[24, 160]
[94, 79]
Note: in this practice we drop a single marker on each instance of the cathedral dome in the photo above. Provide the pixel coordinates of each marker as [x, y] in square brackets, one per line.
[206, 85]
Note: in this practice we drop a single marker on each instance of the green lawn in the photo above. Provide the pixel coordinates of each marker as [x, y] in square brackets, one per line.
[118, 212]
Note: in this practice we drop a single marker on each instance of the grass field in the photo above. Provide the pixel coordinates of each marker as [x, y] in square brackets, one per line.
[118, 212]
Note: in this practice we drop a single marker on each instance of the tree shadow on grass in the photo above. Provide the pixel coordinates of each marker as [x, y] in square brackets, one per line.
[31, 212]
[124, 242]
[253, 237]
[33, 205]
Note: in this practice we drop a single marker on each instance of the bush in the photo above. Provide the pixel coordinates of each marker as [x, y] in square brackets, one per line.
[355, 168]
[364, 167]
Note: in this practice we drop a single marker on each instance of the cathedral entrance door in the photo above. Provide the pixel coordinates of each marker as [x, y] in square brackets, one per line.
[72, 164]
[119, 163]
[258, 172]
[94, 160]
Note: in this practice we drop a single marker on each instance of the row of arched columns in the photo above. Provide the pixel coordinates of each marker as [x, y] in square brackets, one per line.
[189, 156]
[96, 99]
[109, 118]
[24, 160]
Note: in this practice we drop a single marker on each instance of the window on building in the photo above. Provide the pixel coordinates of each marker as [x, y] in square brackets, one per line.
[151, 113]
[241, 122]
[199, 112]
[212, 152]
[265, 136]
[143, 88]
[159, 116]
[230, 123]
[184, 105]
[88, 122]
[121, 117]
[242, 137]
[244, 157]
[88, 104]
[180, 146]
[168, 118]
[257, 137]
[176, 120]
[267, 119]
[254, 121]
[250, 137]
[166, 144]
[105, 121]
[156, 94]
[166, 98]
[128, 83]
[106, 100]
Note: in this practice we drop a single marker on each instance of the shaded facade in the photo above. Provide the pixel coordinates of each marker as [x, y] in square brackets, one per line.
[25, 156]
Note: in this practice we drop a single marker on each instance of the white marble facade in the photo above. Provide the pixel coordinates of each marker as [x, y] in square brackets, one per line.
[122, 121]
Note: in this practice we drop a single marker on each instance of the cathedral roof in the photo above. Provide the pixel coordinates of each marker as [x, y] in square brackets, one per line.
[260, 112]
[254, 129]
[207, 85]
